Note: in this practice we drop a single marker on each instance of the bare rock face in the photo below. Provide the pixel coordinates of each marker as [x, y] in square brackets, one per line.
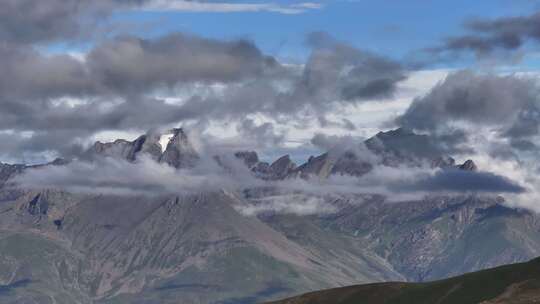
[404, 147]
[319, 166]
[322, 166]
[469, 165]
[149, 144]
[396, 148]
[282, 167]
[443, 162]
[179, 152]
[349, 164]
[119, 149]
[262, 170]
[250, 158]
[279, 169]
[7, 171]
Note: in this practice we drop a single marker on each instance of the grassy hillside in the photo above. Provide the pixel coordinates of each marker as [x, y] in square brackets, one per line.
[510, 284]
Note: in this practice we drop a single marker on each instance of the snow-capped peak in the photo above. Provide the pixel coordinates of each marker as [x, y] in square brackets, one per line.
[164, 140]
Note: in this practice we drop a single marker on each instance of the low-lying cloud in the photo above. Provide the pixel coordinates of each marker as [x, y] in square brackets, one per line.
[458, 181]
[298, 204]
[114, 176]
[300, 196]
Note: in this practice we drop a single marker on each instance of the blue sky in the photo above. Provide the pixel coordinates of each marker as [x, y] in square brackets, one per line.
[393, 28]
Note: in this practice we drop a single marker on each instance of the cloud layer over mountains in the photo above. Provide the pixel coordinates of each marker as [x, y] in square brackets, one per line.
[350, 168]
[55, 103]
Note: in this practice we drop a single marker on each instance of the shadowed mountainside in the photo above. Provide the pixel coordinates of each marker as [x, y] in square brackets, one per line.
[510, 284]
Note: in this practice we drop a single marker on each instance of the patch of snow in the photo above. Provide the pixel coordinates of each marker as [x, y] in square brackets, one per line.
[164, 141]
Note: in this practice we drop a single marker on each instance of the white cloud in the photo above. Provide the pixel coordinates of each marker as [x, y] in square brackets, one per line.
[298, 204]
[119, 177]
[228, 7]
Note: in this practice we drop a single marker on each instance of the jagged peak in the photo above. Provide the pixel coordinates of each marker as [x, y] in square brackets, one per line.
[282, 166]
[401, 131]
[250, 158]
[468, 165]
[178, 150]
[285, 159]
[178, 131]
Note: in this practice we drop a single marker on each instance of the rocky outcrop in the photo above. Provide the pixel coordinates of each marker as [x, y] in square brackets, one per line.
[178, 152]
[443, 162]
[282, 167]
[404, 147]
[350, 164]
[8, 171]
[469, 165]
[279, 169]
[150, 145]
[319, 166]
[395, 148]
[250, 158]
[120, 148]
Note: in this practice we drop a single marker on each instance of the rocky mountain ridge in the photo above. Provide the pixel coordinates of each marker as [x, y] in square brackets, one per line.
[61, 247]
[179, 153]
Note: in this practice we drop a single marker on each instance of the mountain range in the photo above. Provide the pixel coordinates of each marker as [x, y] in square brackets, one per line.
[205, 246]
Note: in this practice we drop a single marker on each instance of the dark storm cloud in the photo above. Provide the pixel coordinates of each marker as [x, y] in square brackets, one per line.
[28, 75]
[454, 180]
[29, 21]
[481, 99]
[500, 34]
[38, 21]
[526, 123]
[264, 135]
[361, 74]
[342, 123]
[130, 63]
[467, 103]
[523, 145]
[335, 74]
[329, 142]
[26, 22]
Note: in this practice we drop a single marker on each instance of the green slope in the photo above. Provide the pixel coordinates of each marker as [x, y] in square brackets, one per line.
[510, 284]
